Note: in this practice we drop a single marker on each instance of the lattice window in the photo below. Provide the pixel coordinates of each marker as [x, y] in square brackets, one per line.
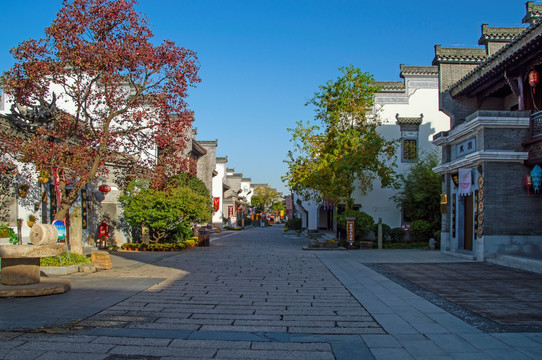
[410, 150]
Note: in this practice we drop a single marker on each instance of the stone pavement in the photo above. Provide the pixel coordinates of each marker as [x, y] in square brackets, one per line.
[250, 295]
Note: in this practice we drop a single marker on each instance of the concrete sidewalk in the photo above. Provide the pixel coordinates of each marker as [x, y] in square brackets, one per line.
[415, 327]
[253, 294]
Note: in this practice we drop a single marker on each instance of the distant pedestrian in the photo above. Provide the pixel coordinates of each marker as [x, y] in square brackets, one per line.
[262, 220]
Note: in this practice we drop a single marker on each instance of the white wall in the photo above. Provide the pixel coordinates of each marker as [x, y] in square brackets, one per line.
[217, 184]
[419, 100]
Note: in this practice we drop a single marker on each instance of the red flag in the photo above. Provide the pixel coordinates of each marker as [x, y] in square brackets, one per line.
[216, 203]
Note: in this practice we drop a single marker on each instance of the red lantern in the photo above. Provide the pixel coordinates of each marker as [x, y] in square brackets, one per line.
[527, 182]
[533, 79]
[104, 189]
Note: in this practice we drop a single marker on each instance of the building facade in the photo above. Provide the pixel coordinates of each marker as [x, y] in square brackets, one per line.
[491, 198]
[408, 112]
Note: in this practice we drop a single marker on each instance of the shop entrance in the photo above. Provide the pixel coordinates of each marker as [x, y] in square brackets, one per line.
[325, 219]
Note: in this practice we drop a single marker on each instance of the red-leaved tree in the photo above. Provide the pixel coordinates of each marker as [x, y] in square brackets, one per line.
[96, 92]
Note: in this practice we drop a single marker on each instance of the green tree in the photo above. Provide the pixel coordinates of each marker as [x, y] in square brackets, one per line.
[168, 213]
[278, 205]
[264, 197]
[342, 150]
[419, 195]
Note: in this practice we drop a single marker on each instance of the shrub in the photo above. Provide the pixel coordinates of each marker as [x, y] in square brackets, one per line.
[73, 259]
[397, 234]
[294, 224]
[6, 231]
[385, 231]
[363, 222]
[421, 230]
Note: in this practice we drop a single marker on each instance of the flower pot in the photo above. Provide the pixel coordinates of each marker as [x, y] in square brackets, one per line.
[30, 223]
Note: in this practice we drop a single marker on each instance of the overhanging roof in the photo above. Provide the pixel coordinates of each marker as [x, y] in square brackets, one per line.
[513, 59]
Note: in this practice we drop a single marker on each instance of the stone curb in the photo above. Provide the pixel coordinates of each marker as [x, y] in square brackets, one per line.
[67, 270]
[59, 270]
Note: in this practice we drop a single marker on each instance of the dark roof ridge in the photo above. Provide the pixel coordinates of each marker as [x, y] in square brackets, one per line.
[459, 55]
[499, 34]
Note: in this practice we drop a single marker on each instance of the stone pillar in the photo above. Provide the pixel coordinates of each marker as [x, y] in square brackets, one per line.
[380, 233]
[76, 231]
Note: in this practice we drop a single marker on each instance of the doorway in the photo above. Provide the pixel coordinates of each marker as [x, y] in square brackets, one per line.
[468, 221]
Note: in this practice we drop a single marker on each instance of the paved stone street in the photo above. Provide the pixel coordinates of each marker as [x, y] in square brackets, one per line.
[253, 294]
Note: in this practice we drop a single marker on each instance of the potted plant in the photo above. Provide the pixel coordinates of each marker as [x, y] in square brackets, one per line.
[331, 243]
[23, 190]
[31, 220]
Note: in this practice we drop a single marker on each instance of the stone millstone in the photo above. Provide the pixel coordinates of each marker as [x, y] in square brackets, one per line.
[43, 234]
[47, 286]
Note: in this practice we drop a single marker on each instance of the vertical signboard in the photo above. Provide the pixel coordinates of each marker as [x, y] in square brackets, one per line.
[454, 199]
[230, 210]
[350, 233]
[52, 203]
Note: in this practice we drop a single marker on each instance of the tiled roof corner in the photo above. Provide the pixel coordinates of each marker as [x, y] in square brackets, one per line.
[459, 55]
[390, 85]
[498, 34]
[409, 120]
[533, 13]
[418, 70]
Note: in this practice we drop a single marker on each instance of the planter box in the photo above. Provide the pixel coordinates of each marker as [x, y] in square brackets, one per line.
[365, 244]
[331, 244]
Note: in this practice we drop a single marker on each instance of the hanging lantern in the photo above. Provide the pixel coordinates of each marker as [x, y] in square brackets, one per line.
[527, 183]
[536, 178]
[104, 188]
[533, 79]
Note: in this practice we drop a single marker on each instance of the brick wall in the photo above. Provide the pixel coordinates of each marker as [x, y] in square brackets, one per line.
[508, 209]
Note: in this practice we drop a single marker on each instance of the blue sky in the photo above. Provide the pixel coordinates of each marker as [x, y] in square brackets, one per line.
[262, 60]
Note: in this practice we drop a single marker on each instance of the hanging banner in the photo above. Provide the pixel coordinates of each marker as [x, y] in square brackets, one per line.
[288, 202]
[216, 203]
[84, 208]
[230, 210]
[465, 182]
[56, 180]
[52, 203]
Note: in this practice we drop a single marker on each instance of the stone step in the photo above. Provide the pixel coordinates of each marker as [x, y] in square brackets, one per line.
[519, 262]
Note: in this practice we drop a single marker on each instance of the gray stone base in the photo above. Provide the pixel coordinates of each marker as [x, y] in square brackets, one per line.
[20, 271]
[47, 286]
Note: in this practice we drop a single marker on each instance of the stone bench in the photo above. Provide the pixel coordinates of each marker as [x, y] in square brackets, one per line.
[21, 263]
